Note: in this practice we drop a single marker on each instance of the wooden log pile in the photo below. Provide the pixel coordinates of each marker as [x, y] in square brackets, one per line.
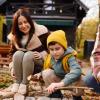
[4, 54]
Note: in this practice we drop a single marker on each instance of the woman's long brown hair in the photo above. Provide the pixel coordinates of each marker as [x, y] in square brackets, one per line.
[15, 29]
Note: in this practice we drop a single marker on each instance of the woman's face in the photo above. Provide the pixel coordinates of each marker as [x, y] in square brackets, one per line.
[24, 25]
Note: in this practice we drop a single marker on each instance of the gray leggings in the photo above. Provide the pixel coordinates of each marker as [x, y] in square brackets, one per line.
[24, 63]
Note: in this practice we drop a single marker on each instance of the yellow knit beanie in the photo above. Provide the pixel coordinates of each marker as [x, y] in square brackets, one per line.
[59, 37]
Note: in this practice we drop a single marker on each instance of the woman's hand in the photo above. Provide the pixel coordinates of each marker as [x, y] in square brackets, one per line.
[37, 55]
[98, 76]
[22, 49]
[34, 77]
[53, 86]
[12, 73]
[11, 70]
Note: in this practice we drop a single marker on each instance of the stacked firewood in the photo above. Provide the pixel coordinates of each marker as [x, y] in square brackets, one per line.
[4, 54]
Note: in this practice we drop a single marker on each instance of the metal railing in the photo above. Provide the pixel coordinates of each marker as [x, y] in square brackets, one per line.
[44, 9]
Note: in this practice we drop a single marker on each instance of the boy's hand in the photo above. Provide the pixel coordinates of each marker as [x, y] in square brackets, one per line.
[53, 86]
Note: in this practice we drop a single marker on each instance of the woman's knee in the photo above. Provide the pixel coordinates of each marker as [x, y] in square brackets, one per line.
[28, 56]
[18, 55]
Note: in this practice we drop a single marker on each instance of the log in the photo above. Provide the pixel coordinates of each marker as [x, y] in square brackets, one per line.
[74, 87]
[4, 61]
[4, 49]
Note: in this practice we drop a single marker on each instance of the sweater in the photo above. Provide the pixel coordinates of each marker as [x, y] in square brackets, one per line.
[74, 72]
[37, 42]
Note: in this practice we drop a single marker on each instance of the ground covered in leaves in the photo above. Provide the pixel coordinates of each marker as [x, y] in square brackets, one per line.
[6, 80]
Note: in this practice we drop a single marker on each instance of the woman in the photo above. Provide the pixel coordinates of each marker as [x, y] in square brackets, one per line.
[27, 39]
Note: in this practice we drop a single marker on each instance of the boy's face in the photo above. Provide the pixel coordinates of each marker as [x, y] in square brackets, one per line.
[56, 50]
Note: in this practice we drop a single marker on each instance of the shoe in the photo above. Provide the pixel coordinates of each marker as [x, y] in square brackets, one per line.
[56, 94]
[22, 89]
[15, 87]
[77, 98]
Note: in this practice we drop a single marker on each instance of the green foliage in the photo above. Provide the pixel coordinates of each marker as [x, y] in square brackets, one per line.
[5, 80]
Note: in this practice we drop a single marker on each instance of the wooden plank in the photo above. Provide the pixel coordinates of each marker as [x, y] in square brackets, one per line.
[4, 49]
[74, 87]
[4, 61]
[18, 96]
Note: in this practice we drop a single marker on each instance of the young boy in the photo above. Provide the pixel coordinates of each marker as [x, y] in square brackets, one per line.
[92, 79]
[60, 66]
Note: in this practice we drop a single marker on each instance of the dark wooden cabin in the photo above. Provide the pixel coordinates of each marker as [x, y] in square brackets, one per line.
[55, 14]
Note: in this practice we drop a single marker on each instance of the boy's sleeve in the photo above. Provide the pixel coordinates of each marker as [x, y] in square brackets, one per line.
[75, 71]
